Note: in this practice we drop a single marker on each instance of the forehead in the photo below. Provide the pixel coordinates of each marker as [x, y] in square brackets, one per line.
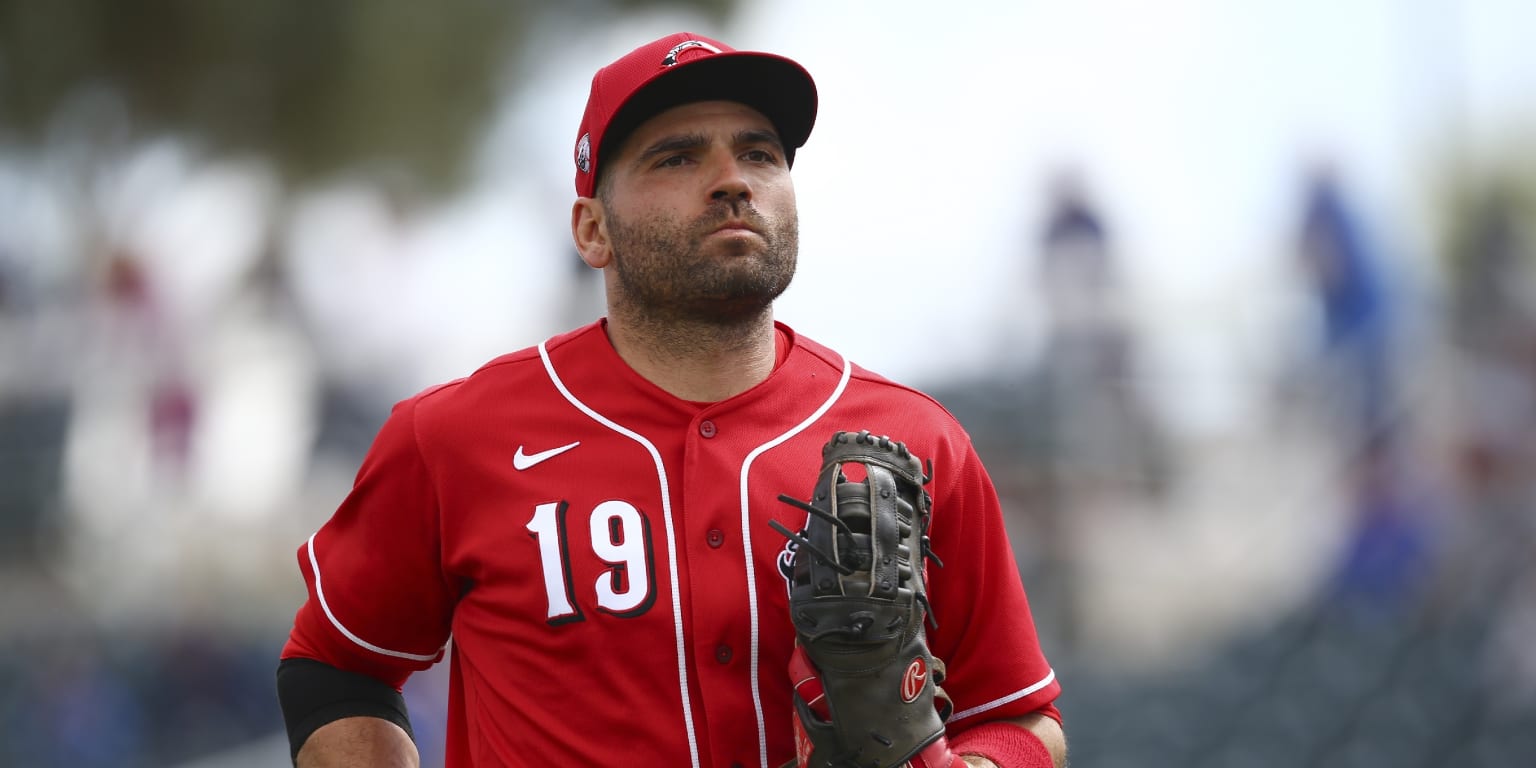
[703, 117]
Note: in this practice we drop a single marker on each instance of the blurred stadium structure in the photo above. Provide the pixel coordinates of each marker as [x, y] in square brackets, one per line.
[223, 257]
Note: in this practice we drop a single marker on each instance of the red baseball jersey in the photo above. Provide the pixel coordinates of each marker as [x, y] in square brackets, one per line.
[599, 552]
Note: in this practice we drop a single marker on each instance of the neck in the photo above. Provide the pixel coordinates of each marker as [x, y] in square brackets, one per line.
[696, 361]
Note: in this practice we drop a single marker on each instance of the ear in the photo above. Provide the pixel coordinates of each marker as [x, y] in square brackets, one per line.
[589, 228]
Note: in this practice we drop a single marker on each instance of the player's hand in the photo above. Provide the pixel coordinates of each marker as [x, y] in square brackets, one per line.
[808, 686]
[867, 689]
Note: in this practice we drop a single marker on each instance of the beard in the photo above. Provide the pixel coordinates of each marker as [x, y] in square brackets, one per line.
[670, 270]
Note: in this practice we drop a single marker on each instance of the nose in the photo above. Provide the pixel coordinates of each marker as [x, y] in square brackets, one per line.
[729, 183]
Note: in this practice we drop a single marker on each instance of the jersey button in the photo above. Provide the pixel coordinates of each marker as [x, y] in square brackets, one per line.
[707, 428]
[716, 537]
[723, 653]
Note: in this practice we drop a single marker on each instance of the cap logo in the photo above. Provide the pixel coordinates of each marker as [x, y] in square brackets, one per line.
[671, 59]
[584, 153]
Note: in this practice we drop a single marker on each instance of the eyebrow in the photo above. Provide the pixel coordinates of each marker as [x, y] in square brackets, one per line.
[758, 136]
[682, 142]
[674, 143]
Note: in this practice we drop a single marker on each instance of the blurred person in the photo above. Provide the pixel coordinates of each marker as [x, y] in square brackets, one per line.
[1100, 446]
[73, 709]
[1492, 564]
[1102, 435]
[171, 406]
[589, 518]
[133, 418]
[1352, 295]
[1389, 554]
[1494, 329]
[1388, 546]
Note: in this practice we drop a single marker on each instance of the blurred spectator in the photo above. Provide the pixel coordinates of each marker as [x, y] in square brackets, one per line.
[1352, 295]
[69, 709]
[1492, 258]
[1386, 552]
[1493, 274]
[1080, 440]
[1391, 543]
[1101, 435]
[172, 405]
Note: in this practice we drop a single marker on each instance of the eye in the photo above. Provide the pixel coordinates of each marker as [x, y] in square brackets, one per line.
[760, 156]
[672, 161]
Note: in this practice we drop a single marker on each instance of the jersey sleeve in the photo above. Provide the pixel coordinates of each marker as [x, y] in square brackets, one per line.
[985, 633]
[379, 603]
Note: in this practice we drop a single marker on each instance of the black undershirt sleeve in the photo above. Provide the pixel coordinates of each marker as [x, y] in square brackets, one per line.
[313, 693]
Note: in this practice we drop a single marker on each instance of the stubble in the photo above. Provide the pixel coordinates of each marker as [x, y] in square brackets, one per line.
[678, 282]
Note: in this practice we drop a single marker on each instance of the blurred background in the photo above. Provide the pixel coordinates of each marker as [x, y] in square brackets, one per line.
[1238, 300]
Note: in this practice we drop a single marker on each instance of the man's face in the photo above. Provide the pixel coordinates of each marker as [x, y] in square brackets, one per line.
[701, 215]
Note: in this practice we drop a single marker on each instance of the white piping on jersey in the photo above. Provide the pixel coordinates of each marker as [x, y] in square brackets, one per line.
[746, 538]
[666, 510]
[995, 703]
[314, 563]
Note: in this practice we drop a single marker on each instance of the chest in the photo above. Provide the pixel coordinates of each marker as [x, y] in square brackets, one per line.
[615, 533]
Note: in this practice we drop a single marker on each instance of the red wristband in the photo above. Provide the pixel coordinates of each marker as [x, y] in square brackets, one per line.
[1006, 744]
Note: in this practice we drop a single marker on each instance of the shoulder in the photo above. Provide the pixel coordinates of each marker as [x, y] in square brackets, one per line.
[870, 382]
[869, 390]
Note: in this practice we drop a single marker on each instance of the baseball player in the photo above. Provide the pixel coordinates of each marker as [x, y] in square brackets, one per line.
[589, 530]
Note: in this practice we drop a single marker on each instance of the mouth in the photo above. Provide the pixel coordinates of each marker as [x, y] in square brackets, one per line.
[735, 227]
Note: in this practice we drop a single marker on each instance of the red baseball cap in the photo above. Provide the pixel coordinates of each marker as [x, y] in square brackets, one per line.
[683, 68]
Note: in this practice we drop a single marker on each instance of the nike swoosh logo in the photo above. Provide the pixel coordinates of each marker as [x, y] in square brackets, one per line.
[522, 461]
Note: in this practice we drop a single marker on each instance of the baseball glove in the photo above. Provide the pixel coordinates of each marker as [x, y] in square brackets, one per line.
[866, 686]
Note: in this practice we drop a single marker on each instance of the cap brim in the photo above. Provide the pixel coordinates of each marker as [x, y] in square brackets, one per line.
[773, 85]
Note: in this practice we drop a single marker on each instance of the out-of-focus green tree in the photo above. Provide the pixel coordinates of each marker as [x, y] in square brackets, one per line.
[318, 86]
[1488, 246]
